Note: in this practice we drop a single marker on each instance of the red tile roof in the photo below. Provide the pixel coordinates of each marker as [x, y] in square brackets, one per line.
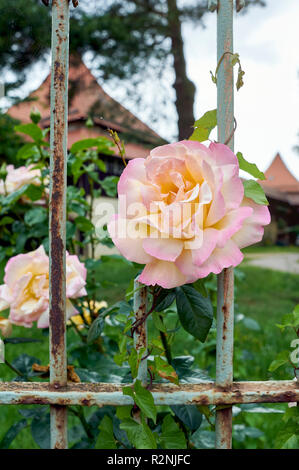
[87, 98]
[280, 183]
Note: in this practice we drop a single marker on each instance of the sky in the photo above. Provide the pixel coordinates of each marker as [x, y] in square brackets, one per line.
[266, 108]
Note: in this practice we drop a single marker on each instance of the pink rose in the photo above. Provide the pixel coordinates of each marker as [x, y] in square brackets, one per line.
[183, 214]
[26, 287]
[18, 177]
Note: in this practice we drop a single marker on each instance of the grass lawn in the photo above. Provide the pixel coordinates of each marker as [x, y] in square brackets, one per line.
[262, 295]
[271, 249]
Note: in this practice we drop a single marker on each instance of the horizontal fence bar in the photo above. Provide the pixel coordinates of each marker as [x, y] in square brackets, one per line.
[205, 393]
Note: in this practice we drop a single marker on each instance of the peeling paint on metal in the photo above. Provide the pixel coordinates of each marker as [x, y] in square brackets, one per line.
[225, 307]
[140, 335]
[57, 278]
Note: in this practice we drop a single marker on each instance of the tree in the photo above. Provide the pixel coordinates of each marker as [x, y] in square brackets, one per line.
[126, 36]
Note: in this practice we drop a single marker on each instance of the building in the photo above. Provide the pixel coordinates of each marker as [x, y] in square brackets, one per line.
[282, 190]
[87, 99]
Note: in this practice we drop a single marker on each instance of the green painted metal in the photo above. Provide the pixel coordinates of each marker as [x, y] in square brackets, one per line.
[204, 393]
[225, 305]
[58, 170]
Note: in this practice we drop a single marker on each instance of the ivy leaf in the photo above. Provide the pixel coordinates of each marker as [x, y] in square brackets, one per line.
[143, 399]
[189, 414]
[204, 126]
[106, 437]
[89, 375]
[250, 168]
[101, 143]
[165, 370]
[172, 436]
[195, 312]
[254, 191]
[133, 362]
[21, 340]
[27, 150]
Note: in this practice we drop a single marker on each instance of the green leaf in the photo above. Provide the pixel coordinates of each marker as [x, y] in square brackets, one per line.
[145, 401]
[204, 126]
[37, 215]
[254, 191]
[172, 436]
[158, 322]
[165, 370]
[85, 144]
[164, 299]
[6, 220]
[40, 430]
[139, 434]
[189, 415]
[27, 150]
[33, 192]
[96, 329]
[282, 358]
[83, 224]
[32, 130]
[106, 437]
[109, 184]
[203, 439]
[12, 433]
[133, 362]
[21, 340]
[195, 312]
[250, 168]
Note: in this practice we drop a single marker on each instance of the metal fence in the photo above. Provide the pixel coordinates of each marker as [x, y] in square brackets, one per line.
[58, 393]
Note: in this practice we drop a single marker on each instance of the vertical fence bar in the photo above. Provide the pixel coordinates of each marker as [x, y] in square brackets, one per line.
[59, 106]
[225, 306]
[140, 336]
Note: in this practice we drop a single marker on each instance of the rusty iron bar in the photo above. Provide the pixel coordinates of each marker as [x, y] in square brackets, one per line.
[140, 335]
[225, 302]
[100, 394]
[58, 170]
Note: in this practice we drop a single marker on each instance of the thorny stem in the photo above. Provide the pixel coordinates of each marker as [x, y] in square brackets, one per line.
[139, 322]
[119, 145]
